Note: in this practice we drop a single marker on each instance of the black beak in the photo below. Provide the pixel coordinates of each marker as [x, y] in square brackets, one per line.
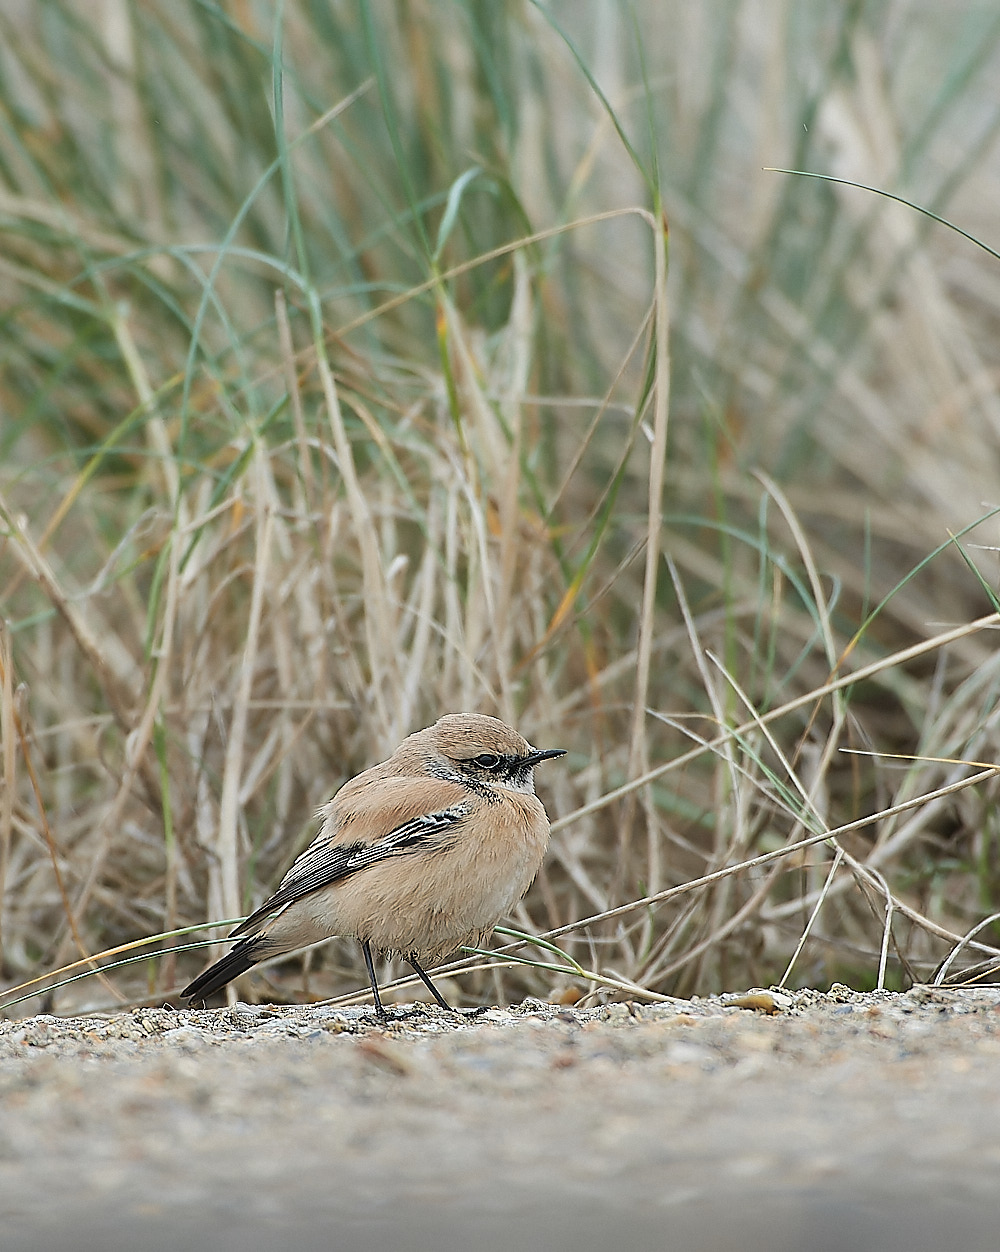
[546, 754]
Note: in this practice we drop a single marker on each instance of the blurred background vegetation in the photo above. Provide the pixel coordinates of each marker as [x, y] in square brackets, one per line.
[341, 387]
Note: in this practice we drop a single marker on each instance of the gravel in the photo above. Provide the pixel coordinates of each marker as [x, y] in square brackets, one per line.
[769, 1120]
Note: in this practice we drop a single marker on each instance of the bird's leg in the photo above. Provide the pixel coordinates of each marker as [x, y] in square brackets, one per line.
[366, 948]
[430, 986]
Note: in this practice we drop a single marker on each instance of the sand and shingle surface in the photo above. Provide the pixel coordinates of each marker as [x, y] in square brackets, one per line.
[774, 1121]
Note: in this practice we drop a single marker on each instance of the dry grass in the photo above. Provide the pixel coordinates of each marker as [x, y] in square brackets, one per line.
[311, 433]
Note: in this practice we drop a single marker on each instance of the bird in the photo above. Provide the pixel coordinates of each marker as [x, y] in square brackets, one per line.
[416, 856]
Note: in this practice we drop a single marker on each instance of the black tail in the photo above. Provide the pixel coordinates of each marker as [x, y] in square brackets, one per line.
[246, 953]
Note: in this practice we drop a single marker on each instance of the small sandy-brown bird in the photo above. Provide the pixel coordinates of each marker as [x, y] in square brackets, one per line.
[418, 856]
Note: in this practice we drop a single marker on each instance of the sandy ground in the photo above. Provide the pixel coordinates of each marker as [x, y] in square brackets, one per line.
[838, 1122]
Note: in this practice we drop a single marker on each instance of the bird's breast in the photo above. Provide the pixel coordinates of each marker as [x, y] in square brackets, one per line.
[429, 902]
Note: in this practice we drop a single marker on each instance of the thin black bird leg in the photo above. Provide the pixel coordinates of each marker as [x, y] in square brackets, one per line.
[430, 986]
[366, 948]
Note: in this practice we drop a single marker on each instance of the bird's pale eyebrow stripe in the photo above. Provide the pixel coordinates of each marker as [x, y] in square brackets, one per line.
[324, 864]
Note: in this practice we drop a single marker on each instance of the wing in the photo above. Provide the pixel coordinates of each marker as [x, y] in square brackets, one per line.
[331, 858]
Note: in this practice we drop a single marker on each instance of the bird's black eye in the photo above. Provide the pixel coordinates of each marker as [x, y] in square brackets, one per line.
[486, 760]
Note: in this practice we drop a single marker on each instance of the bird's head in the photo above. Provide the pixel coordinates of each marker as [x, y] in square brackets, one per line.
[478, 751]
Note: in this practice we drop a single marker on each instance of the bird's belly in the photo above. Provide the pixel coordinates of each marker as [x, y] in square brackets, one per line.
[430, 903]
